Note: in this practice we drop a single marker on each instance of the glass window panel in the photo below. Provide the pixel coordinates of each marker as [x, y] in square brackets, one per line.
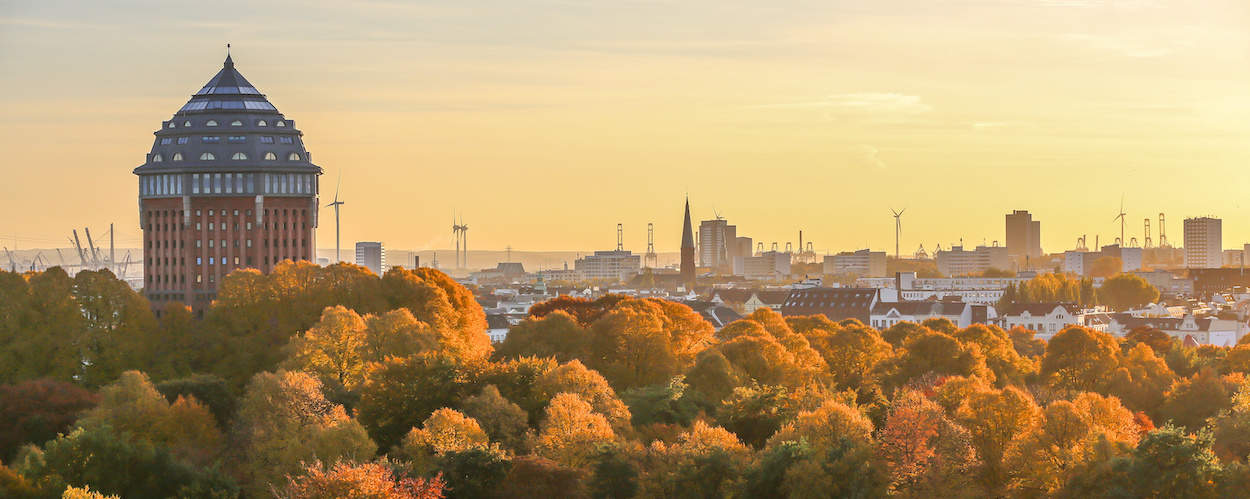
[229, 183]
[195, 183]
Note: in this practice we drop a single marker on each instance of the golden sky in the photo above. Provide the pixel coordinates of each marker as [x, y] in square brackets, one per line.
[547, 122]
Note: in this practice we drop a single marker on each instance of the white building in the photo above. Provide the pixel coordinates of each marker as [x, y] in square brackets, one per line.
[1203, 331]
[615, 265]
[1203, 243]
[977, 290]
[862, 263]
[1046, 319]
[767, 265]
[958, 262]
[371, 255]
[962, 315]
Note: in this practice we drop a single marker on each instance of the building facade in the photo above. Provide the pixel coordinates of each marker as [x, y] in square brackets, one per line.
[1203, 243]
[718, 242]
[371, 255]
[862, 263]
[614, 266]
[1024, 235]
[767, 265]
[959, 262]
[227, 185]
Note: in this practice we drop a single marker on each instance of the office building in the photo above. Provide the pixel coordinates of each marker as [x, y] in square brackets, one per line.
[1024, 235]
[613, 266]
[227, 185]
[717, 243]
[958, 262]
[862, 263]
[767, 265]
[371, 255]
[1203, 243]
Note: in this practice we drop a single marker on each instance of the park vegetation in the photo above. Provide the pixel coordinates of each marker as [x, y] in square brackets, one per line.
[318, 382]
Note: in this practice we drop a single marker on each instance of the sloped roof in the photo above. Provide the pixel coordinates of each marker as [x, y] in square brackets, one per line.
[1038, 309]
[925, 308]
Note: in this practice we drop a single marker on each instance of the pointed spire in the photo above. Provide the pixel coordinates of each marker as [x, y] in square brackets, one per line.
[687, 232]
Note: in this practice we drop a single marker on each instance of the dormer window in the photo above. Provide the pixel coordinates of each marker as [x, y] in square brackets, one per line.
[271, 156]
[208, 156]
[236, 123]
[177, 156]
[156, 158]
[239, 156]
[262, 123]
[280, 124]
[185, 124]
[211, 123]
[293, 157]
[173, 125]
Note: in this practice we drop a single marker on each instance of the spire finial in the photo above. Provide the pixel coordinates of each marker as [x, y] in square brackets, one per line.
[229, 62]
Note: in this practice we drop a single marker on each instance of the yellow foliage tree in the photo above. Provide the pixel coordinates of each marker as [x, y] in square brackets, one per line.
[571, 431]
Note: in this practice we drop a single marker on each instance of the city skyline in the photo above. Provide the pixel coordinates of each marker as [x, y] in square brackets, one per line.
[425, 110]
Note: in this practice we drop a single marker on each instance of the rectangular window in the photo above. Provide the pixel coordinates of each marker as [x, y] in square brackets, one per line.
[197, 243]
[206, 184]
[266, 139]
[217, 183]
[199, 261]
[238, 185]
[251, 184]
[229, 183]
[236, 139]
[195, 183]
[286, 140]
[210, 260]
[210, 140]
[267, 191]
[182, 140]
[166, 141]
[210, 241]
[249, 241]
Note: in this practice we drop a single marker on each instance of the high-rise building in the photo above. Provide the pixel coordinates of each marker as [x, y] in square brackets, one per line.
[1203, 243]
[1024, 235]
[227, 185]
[371, 255]
[687, 250]
[715, 238]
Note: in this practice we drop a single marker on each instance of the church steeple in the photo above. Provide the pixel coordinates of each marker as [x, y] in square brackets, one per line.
[687, 251]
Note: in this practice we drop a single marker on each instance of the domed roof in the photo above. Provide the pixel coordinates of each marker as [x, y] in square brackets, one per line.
[228, 125]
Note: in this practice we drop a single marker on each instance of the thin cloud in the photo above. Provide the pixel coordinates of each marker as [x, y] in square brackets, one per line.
[862, 103]
[868, 156]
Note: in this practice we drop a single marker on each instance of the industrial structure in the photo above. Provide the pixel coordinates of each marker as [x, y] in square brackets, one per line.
[227, 184]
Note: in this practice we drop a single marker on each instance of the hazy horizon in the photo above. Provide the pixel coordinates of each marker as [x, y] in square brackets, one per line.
[547, 122]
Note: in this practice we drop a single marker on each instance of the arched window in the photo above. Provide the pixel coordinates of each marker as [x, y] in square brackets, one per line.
[239, 156]
[173, 125]
[293, 157]
[186, 123]
[236, 123]
[207, 156]
[177, 156]
[156, 158]
[262, 123]
[271, 156]
[211, 123]
[280, 124]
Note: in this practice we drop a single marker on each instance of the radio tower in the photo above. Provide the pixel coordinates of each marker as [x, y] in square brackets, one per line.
[652, 260]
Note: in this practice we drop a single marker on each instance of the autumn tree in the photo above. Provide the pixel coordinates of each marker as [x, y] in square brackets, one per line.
[36, 411]
[503, 421]
[1079, 359]
[994, 418]
[1069, 436]
[447, 430]
[575, 378]
[1126, 291]
[284, 421]
[927, 454]
[1191, 401]
[571, 431]
[1105, 266]
[839, 460]
[132, 407]
[402, 392]
[347, 480]
[937, 353]
[705, 461]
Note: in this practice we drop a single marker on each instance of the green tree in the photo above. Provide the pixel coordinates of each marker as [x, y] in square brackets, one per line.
[503, 421]
[400, 393]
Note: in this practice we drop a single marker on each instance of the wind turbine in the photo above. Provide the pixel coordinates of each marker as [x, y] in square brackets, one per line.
[1120, 217]
[336, 204]
[898, 228]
